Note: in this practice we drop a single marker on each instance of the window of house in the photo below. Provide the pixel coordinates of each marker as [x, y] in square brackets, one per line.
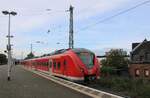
[141, 58]
[137, 72]
[146, 55]
[146, 72]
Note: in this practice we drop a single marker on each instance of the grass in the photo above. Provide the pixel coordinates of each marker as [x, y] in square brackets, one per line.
[134, 88]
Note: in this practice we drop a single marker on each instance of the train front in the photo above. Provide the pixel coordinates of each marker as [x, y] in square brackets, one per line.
[88, 64]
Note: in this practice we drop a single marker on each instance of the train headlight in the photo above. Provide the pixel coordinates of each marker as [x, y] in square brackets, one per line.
[82, 70]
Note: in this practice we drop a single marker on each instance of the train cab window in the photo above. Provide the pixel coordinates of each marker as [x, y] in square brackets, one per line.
[87, 58]
[58, 65]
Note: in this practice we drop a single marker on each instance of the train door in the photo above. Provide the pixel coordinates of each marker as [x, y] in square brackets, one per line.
[57, 65]
[64, 64]
[54, 65]
[50, 65]
[60, 66]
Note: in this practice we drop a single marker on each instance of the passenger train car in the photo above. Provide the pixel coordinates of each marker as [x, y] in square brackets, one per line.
[76, 64]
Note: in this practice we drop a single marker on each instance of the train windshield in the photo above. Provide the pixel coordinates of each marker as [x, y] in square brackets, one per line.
[87, 58]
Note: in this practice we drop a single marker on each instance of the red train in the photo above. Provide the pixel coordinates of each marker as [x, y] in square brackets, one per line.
[76, 64]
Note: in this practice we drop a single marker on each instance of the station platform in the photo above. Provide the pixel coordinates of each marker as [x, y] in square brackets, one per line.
[25, 84]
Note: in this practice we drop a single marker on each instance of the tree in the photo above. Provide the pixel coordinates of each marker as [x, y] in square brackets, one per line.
[115, 62]
[3, 59]
[116, 58]
[30, 55]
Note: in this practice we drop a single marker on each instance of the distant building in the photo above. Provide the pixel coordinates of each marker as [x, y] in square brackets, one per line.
[140, 60]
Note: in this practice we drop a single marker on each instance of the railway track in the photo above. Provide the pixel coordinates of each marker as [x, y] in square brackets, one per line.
[77, 87]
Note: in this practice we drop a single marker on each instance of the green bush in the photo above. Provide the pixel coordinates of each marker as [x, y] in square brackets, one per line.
[106, 70]
[3, 59]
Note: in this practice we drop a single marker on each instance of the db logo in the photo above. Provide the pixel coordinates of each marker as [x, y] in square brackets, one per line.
[90, 71]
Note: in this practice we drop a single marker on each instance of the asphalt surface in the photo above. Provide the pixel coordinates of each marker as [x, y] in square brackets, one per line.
[25, 84]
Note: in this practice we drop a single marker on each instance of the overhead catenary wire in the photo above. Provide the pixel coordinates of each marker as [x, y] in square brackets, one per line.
[39, 13]
[113, 16]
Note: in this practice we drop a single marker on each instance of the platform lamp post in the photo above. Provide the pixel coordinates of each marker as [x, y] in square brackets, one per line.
[9, 45]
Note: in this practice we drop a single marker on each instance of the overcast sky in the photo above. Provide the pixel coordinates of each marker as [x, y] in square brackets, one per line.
[34, 20]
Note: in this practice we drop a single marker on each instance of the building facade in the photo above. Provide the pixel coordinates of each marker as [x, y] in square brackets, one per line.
[140, 60]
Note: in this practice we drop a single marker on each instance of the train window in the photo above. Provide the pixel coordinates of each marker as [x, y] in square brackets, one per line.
[58, 65]
[54, 65]
[50, 64]
[46, 63]
[65, 62]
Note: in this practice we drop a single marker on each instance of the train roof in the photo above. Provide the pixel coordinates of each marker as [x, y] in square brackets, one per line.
[76, 50]
[64, 50]
[81, 50]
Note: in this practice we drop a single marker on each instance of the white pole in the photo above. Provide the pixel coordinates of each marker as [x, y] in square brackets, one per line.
[9, 45]
[9, 50]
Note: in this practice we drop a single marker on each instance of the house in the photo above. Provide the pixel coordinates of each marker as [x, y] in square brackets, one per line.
[140, 60]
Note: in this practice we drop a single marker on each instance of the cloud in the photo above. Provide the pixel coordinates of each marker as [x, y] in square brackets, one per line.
[32, 17]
